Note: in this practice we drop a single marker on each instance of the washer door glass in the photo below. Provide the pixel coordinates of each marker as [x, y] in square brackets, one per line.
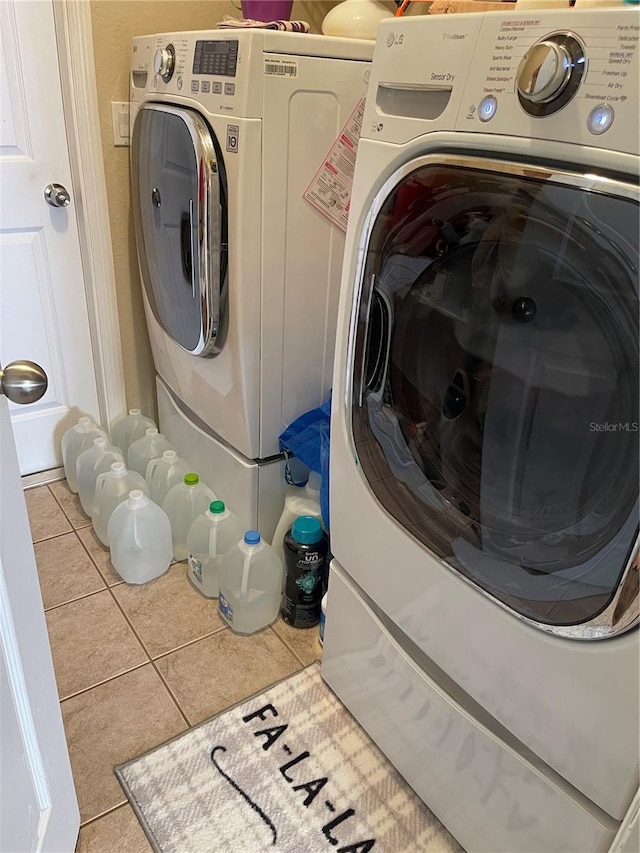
[495, 392]
[179, 203]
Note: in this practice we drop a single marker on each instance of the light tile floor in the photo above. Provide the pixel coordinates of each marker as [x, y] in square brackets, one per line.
[136, 665]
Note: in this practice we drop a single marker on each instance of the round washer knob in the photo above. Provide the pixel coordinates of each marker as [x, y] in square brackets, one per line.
[544, 72]
[163, 62]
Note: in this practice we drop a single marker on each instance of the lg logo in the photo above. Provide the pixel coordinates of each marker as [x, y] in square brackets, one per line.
[394, 38]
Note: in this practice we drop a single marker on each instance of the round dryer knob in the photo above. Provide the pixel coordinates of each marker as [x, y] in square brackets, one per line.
[544, 72]
[164, 62]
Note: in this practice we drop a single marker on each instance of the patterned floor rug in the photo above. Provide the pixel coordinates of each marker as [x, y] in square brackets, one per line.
[288, 771]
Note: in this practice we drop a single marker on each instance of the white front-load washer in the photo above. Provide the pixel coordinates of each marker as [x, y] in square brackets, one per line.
[240, 272]
[482, 615]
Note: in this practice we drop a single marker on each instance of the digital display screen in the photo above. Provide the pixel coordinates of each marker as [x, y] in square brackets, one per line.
[218, 58]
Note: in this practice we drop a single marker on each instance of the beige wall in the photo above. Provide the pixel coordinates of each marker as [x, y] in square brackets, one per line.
[115, 22]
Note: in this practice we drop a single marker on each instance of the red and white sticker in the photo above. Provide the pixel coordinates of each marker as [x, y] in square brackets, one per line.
[330, 190]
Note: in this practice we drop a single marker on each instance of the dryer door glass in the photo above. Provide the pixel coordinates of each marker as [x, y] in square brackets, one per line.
[180, 217]
[495, 388]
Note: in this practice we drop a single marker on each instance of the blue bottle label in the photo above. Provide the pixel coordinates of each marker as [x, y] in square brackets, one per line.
[195, 567]
[225, 609]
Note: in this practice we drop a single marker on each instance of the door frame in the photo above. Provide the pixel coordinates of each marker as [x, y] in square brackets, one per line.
[74, 41]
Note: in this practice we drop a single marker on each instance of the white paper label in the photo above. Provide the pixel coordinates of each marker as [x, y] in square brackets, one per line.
[280, 67]
[330, 190]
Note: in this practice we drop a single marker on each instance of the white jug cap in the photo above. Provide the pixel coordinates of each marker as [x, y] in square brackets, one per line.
[85, 423]
[137, 499]
[169, 454]
[118, 469]
[135, 412]
[151, 431]
[101, 441]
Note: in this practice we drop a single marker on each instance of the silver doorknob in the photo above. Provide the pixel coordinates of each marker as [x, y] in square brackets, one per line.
[23, 381]
[56, 195]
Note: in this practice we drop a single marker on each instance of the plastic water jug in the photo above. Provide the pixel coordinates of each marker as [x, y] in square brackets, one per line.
[140, 536]
[250, 585]
[143, 450]
[112, 488]
[211, 535]
[74, 441]
[90, 464]
[129, 428]
[183, 504]
[298, 501]
[164, 472]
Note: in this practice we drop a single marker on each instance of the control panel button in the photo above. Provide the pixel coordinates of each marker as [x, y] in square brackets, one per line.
[600, 119]
[216, 88]
[229, 88]
[195, 85]
[487, 108]
[205, 86]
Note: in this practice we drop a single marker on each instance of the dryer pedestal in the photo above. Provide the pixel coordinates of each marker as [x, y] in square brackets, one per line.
[255, 492]
[491, 794]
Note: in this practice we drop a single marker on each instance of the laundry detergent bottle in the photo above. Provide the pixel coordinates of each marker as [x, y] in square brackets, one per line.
[112, 488]
[250, 585]
[298, 501]
[143, 450]
[129, 428]
[211, 535]
[139, 533]
[305, 552]
[92, 462]
[74, 441]
[164, 472]
[183, 504]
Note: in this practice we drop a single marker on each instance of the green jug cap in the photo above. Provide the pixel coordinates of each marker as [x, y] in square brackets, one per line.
[191, 479]
[216, 507]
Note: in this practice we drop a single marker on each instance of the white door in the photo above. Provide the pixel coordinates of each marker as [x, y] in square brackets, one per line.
[42, 298]
[38, 806]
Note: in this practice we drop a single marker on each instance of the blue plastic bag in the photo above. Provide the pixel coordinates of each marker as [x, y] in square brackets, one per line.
[308, 439]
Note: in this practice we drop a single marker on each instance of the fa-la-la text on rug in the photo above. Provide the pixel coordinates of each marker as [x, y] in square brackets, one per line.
[288, 771]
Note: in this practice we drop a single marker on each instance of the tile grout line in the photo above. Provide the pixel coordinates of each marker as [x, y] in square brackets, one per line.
[105, 681]
[66, 515]
[151, 660]
[77, 598]
[289, 648]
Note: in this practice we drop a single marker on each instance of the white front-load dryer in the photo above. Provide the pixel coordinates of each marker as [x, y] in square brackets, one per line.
[240, 271]
[482, 615]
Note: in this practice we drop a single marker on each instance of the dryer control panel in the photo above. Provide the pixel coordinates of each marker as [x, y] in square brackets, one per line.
[569, 75]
